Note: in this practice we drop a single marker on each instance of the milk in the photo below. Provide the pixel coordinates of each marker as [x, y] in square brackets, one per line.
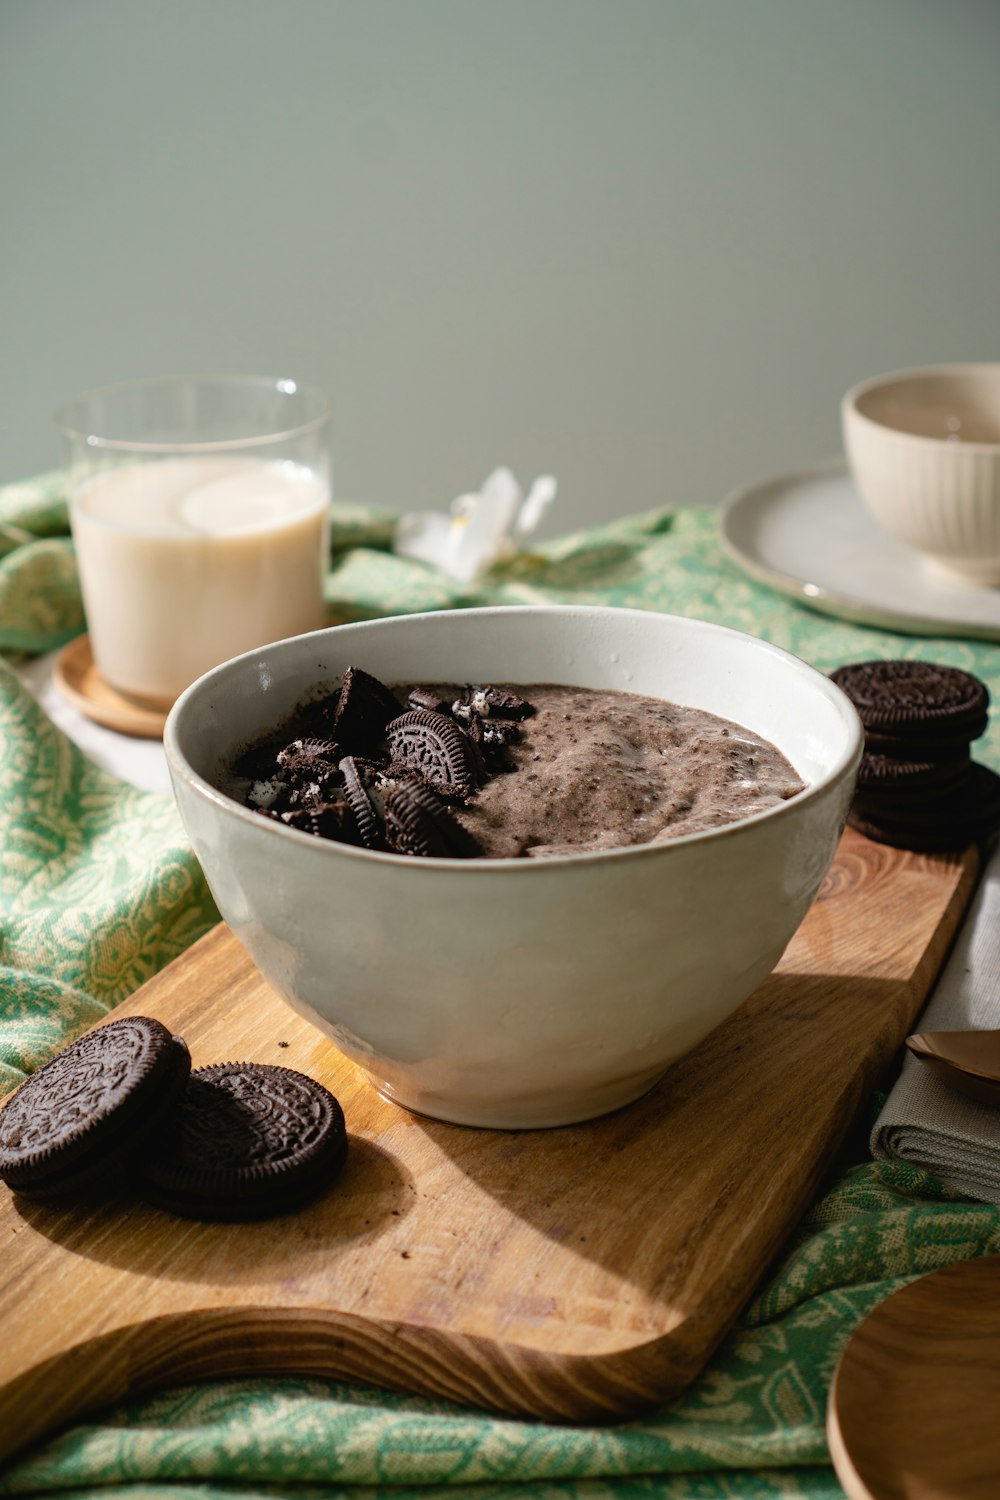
[185, 562]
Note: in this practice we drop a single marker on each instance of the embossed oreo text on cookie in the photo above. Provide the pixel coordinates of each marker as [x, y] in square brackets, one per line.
[435, 747]
[249, 1140]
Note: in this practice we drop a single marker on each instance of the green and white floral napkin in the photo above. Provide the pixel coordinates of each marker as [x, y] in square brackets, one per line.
[98, 890]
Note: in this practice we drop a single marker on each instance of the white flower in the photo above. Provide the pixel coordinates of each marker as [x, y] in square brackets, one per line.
[479, 530]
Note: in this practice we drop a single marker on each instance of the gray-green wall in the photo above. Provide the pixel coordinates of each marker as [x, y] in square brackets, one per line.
[643, 244]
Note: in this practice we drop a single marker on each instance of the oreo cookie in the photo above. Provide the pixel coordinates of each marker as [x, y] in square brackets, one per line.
[364, 707]
[966, 814]
[427, 698]
[909, 701]
[495, 702]
[436, 748]
[418, 822]
[74, 1128]
[917, 786]
[248, 1141]
[928, 747]
[314, 755]
[476, 736]
[355, 773]
[333, 819]
[888, 782]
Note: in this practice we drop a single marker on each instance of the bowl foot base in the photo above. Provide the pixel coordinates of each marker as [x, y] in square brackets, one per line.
[527, 1114]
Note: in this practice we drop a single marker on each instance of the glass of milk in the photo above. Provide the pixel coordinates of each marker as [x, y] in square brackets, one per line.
[200, 514]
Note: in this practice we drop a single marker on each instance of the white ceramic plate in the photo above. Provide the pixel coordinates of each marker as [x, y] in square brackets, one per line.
[810, 535]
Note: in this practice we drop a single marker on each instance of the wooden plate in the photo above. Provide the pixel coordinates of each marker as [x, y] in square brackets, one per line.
[914, 1402]
[77, 678]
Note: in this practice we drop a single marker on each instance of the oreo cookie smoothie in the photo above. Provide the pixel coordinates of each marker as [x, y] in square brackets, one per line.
[501, 772]
[605, 769]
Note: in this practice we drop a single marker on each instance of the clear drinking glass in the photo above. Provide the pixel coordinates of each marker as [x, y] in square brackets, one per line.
[200, 513]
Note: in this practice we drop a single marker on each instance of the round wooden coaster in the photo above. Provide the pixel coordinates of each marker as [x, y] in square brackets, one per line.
[913, 1405]
[79, 681]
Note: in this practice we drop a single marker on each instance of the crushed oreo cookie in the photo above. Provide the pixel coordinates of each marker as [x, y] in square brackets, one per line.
[364, 707]
[487, 702]
[358, 775]
[324, 820]
[427, 698]
[364, 771]
[418, 822]
[597, 769]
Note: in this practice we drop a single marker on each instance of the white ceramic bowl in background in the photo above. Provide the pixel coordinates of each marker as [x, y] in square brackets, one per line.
[520, 993]
[924, 450]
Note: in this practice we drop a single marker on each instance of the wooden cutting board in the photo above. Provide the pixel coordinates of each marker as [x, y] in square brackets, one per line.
[579, 1273]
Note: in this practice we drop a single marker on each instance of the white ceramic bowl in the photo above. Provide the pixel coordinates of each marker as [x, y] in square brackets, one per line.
[924, 450]
[520, 993]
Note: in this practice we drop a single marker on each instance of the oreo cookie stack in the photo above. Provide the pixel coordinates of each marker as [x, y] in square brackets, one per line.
[918, 786]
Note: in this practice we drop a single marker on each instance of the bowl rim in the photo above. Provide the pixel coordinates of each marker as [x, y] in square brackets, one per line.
[849, 403]
[181, 769]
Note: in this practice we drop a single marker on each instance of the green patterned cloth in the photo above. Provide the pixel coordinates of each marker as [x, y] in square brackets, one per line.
[98, 890]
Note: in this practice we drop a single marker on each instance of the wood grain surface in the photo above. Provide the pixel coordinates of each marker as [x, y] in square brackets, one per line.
[913, 1407]
[571, 1274]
